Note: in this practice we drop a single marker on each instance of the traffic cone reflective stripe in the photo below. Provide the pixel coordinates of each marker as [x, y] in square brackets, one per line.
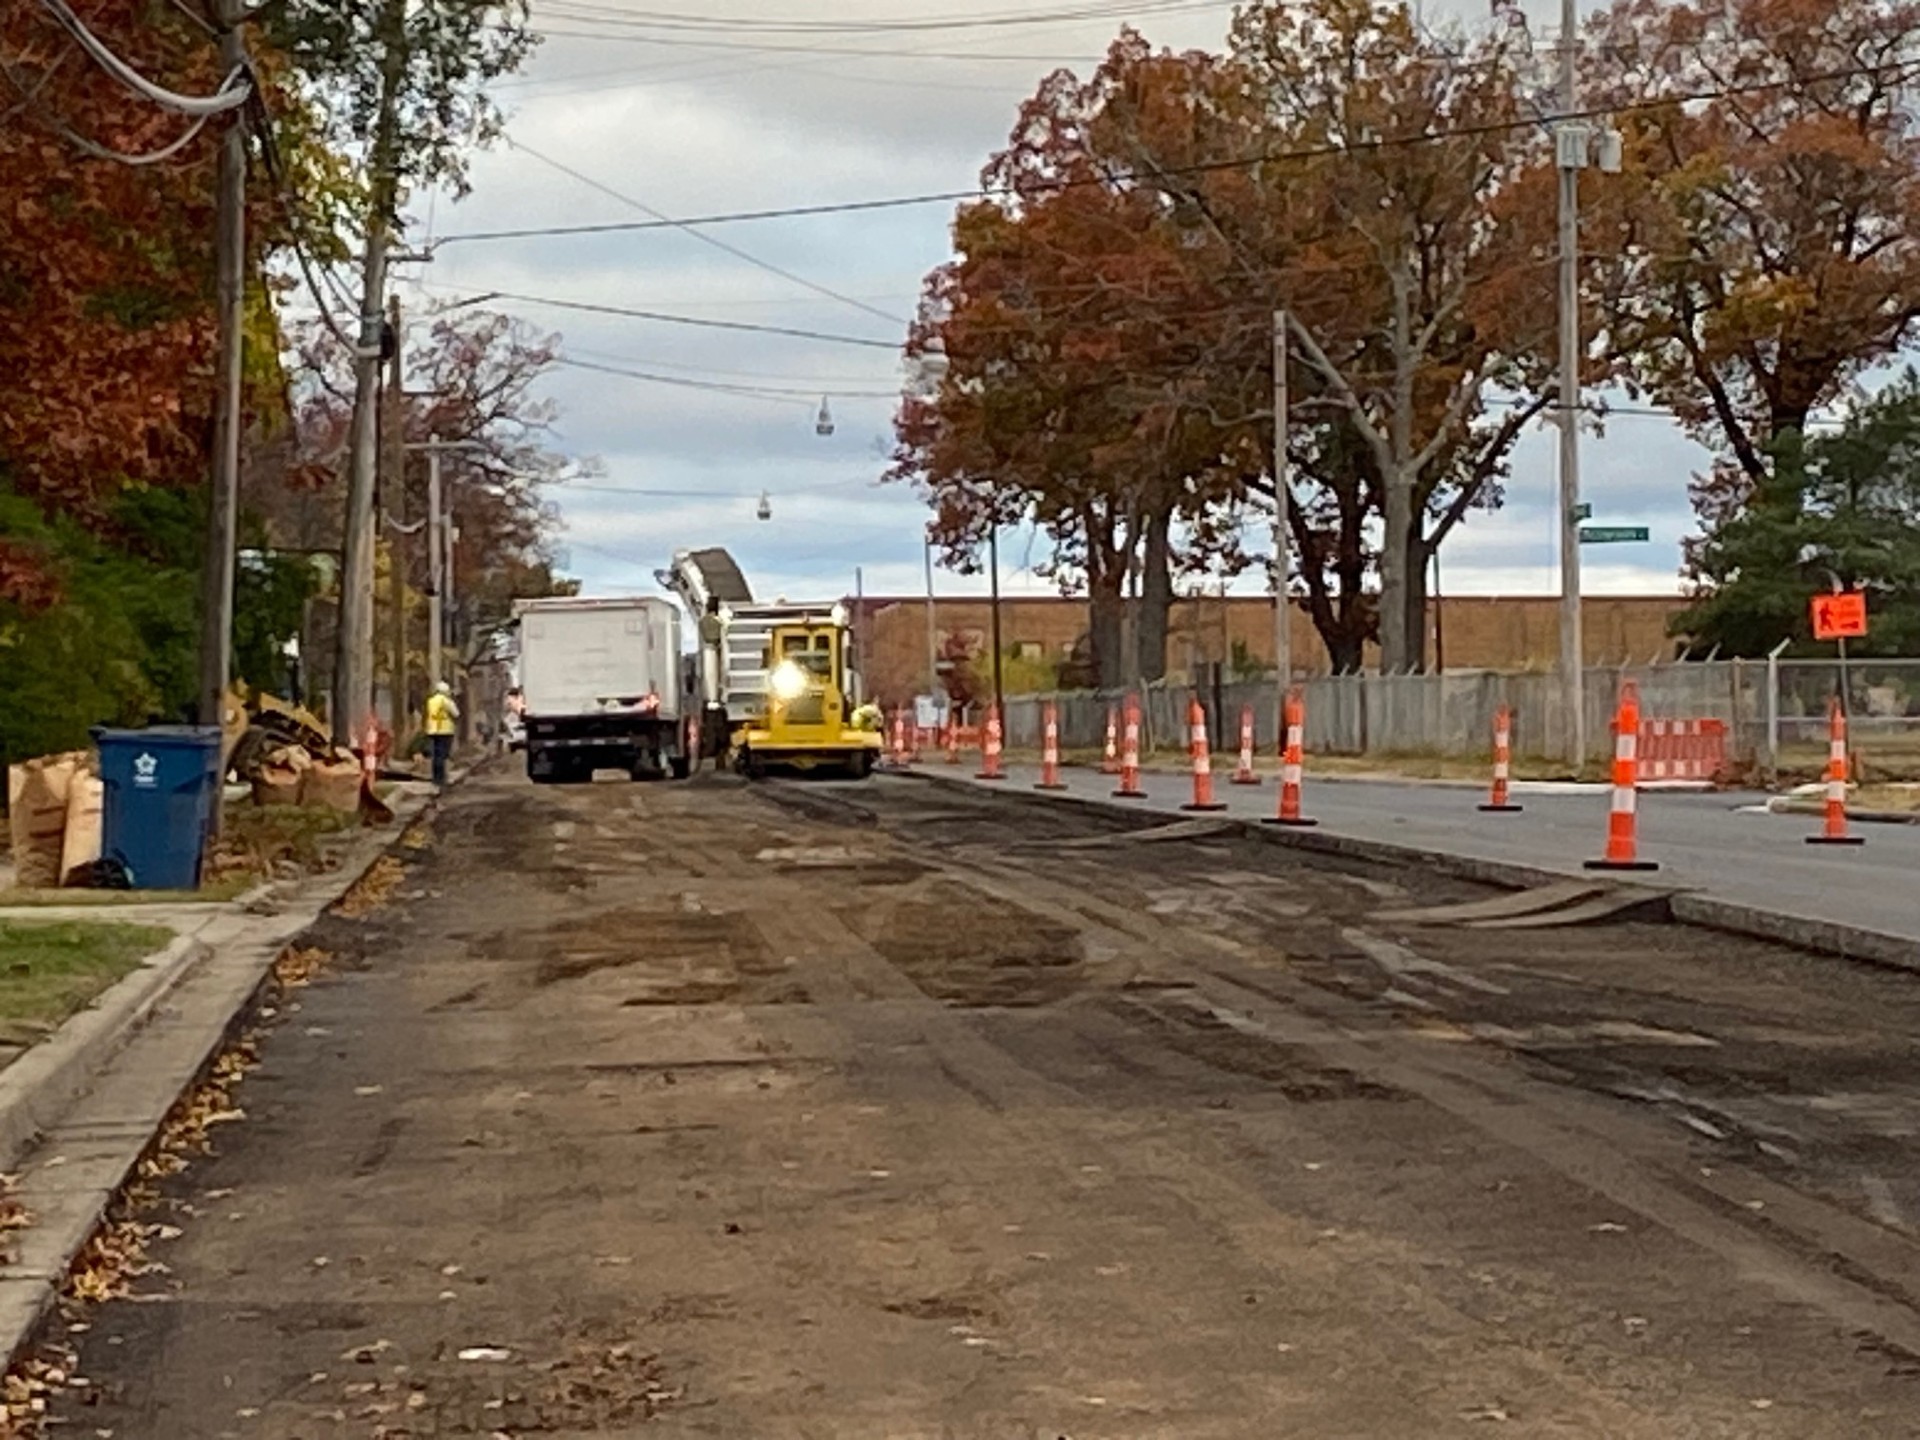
[1130, 756]
[1835, 830]
[1292, 763]
[1050, 750]
[1501, 802]
[1111, 764]
[1623, 814]
[990, 747]
[1202, 752]
[1246, 774]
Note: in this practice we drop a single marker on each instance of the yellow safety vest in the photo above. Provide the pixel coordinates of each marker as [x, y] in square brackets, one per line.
[441, 713]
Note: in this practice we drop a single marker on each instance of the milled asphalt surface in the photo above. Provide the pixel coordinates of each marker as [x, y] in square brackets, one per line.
[865, 1112]
[1705, 841]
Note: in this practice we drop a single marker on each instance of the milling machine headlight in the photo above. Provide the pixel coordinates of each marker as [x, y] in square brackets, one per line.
[788, 680]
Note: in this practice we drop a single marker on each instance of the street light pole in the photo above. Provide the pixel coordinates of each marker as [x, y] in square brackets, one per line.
[993, 566]
[1570, 145]
[933, 631]
[1282, 519]
[436, 568]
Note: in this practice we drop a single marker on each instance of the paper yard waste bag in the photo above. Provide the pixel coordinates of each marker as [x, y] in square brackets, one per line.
[86, 798]
[37, 801]
[332, 785]
[281, 775]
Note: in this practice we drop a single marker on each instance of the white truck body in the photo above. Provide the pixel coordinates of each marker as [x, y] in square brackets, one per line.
[602, 681]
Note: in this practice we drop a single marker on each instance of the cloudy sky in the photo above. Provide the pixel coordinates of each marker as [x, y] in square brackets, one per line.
[630, 113]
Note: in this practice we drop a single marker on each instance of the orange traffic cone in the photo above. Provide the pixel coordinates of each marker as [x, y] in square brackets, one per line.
[1501, 803]
[990, 747]
[1622, 821]
[1111, 764]
[1293, 764]
[1202, 752]
[1050, 749]
[1130, 756]
[1836, 827]
[901, 756]
[1246, 774]
[953, 736]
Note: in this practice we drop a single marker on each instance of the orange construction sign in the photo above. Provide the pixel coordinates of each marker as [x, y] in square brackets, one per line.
[1840, 616]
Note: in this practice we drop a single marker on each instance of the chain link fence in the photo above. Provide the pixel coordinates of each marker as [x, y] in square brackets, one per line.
[1775, 712]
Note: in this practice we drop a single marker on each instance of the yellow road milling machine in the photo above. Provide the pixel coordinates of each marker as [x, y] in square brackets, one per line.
[779, 683]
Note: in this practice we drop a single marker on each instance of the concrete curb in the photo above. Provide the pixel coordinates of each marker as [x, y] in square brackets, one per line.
[1688, 907]
[43, 1084]
[1814, 809]
[98, 1104]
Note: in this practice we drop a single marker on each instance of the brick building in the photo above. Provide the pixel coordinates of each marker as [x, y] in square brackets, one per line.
[1477, 632]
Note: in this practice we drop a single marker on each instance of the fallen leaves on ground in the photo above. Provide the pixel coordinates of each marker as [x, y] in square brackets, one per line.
[298, 965]
[373, 889]
[13, 1217]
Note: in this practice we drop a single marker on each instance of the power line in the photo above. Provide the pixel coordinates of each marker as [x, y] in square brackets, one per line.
[1302, 153]
[710, 24]
[718, 244]
[779, 394]
[231, 95]
[666, 319]
[830, 50]
[808, 379]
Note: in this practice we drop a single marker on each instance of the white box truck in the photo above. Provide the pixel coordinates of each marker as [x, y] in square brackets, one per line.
[603, 682]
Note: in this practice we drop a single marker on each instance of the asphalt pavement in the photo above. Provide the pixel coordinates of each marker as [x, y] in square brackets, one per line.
[812, 1111]
[1717, 843]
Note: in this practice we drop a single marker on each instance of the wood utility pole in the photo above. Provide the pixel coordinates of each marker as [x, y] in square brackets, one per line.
[437, 551]
[223, 494]
[1282, 519]
[1570, 144]
[353, 655]
[394, 490]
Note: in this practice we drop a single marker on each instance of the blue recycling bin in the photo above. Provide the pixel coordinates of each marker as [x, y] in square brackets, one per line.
[161, 785]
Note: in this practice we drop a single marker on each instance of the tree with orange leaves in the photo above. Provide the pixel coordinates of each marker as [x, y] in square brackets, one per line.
[1758, 256]
[106, 313]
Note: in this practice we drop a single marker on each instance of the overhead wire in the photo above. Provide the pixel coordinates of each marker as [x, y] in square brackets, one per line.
[663, 318]
[1299, 153]
[232, 94]
[784, 395]
[712, 24]
[721, 245]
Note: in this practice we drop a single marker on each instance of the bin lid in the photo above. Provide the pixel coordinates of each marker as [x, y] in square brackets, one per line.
[194, 737]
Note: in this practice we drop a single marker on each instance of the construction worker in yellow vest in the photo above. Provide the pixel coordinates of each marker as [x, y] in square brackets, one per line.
[442, 714]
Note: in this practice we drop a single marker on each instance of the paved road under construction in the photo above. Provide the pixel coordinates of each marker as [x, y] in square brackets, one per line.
[893, 1110]
[1720, 844]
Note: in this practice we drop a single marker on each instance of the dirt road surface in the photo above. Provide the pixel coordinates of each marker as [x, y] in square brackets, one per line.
[883, 1112]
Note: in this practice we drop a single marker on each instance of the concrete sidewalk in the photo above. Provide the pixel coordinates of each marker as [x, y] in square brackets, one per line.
[79, 1110]
[1717, 845]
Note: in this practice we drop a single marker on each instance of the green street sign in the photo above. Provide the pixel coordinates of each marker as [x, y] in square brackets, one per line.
[1614, 534]
[1582, 511]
